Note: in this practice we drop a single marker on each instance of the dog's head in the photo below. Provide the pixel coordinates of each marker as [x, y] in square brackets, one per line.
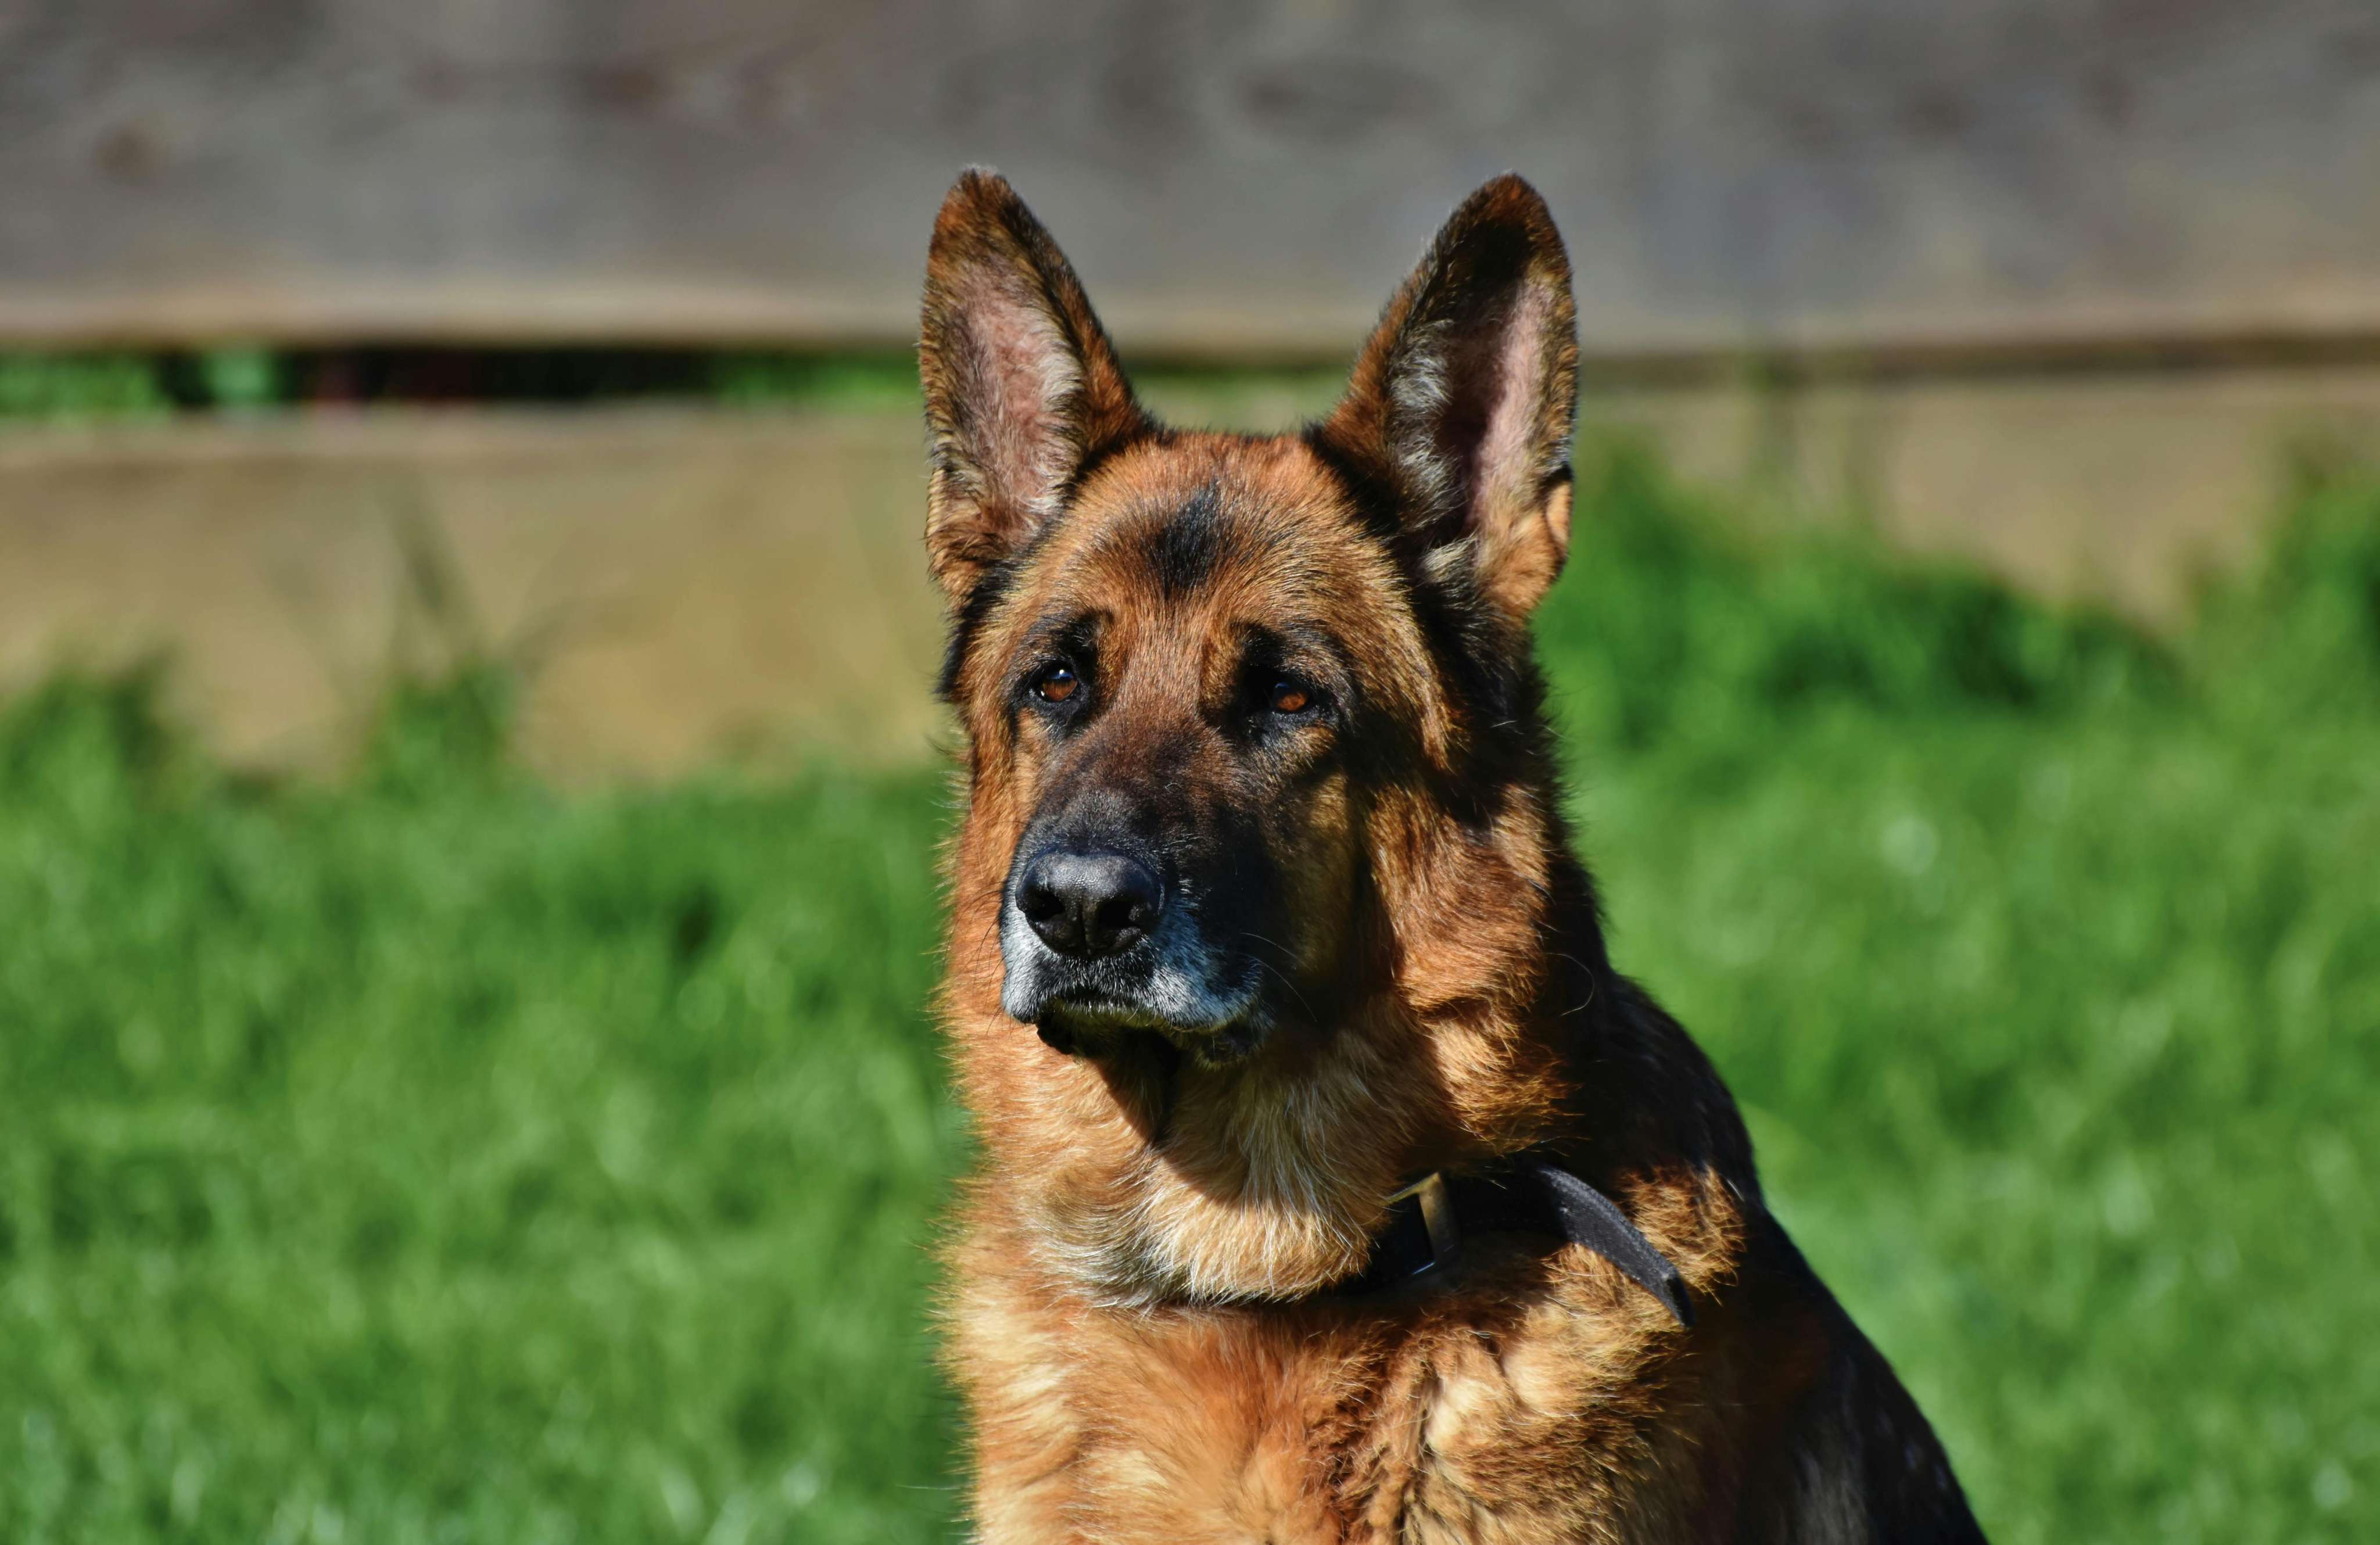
[1251, 721]
[1192, 655]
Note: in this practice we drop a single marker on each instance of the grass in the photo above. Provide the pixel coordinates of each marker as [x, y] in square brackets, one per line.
[436, 1156]
[47, 386]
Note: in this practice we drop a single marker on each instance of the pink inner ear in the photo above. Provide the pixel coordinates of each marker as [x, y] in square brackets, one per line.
[1506, 465]
[1020, 376]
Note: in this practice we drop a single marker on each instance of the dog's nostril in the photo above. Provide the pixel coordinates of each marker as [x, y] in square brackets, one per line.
[1089, 904]
[1116, 914]
[1039, 902]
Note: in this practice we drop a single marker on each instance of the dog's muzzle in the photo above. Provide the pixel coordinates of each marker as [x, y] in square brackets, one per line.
[1102, 940]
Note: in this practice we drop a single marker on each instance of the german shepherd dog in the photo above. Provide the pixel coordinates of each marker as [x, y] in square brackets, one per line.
[1333, 1186]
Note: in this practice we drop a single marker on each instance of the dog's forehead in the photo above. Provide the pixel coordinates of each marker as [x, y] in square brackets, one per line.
[1261, 524]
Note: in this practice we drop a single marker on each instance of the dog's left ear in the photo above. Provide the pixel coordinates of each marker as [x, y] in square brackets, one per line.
[1022, 387]
[1460, 406]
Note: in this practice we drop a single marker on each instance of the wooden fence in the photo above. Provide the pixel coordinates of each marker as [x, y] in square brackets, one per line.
[1973, 233]
[1869, 176]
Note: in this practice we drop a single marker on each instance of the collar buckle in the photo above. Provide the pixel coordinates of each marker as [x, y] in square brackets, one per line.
[1428, 1194]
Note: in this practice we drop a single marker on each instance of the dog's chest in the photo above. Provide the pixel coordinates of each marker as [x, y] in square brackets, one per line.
[1508, 1429]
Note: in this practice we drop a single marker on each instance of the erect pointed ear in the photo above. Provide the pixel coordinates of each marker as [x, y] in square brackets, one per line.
[1461, 404]
[1022, 387]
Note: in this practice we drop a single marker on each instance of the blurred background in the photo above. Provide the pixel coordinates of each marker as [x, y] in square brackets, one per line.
[470, 790]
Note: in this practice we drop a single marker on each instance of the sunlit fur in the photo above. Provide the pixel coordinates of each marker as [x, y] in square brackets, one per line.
[1145, 1312]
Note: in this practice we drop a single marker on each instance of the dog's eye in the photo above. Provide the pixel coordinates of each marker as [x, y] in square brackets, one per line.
[1056, 684]
[1290, 697]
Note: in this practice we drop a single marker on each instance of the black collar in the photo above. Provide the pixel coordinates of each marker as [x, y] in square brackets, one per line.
[1523, 1194]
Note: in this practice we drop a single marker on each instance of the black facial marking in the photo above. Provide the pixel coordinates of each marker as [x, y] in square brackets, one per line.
[968, 617]
[1183, 552]
[967, 622]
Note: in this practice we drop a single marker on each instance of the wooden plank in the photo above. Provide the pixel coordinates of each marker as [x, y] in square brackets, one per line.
[1821, 173]
[679, 586]
[673, 587]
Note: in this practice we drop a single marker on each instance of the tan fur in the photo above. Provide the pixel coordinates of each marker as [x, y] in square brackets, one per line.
[1145, 1313]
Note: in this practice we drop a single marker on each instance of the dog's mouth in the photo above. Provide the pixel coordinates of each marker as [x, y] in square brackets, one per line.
[1094, 1025]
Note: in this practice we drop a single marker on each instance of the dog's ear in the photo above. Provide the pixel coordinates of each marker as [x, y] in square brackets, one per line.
[1460, 406]
[1022, 387]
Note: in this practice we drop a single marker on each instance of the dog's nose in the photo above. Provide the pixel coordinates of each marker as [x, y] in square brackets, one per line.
[1089, 904]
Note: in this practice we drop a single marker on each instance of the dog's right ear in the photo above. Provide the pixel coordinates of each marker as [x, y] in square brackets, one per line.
[1022, 387]
[1461, 404]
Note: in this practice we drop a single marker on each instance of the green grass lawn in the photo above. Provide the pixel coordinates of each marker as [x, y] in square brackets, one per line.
[440, 1157]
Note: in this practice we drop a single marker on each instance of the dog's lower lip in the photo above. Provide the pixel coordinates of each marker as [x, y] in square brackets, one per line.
[1066, 1022]
[1099, 1012]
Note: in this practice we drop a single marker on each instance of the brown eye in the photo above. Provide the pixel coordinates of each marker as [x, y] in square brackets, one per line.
[1288, 697]
[1057, 683]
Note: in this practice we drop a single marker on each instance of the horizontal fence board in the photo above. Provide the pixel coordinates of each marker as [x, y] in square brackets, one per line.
[1231, 177]
[672, 587]
[677, 586]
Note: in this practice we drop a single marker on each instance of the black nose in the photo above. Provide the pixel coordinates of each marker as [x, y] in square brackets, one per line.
[1089, 904]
